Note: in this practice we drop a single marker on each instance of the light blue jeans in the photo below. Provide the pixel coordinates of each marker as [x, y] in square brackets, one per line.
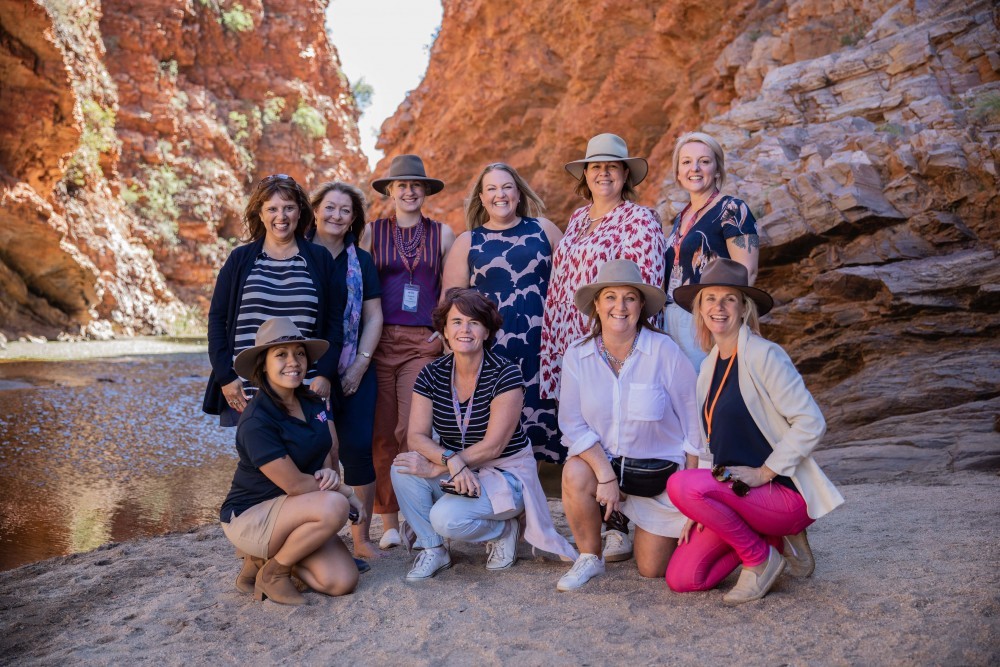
[435, 515]
[680, 326]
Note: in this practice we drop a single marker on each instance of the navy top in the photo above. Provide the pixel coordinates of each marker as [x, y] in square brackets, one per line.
[736, 440]
[265, 433]
[498, 376]
[370, 285]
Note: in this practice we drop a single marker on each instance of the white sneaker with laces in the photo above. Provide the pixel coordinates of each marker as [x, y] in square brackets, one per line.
[617, 546]
[390, 539]
[428, 563]
[502, 552]
[586, 567]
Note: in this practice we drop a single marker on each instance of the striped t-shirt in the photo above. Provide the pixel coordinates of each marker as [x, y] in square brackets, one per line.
[497, 377]
[277, 288]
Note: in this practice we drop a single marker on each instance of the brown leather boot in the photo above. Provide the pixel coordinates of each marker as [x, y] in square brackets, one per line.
[274, 581]
[247, 577]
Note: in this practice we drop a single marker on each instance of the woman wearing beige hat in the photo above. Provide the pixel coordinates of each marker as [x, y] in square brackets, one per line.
[286, 502]
[409, 250]
[627, 411]
[761, 425]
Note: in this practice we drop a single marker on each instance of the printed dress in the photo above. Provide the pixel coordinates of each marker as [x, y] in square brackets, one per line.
[630, 232]
[511, 267]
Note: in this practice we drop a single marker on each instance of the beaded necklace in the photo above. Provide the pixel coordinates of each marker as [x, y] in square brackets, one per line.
[614, 362]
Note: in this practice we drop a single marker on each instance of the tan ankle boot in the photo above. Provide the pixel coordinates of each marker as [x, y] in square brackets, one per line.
[799, 555]
[247, 577]
[274, 581]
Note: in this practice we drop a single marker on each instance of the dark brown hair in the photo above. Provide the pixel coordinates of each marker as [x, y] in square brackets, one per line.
[628, 191]
[259, 379]
[358, 203]
[287, 188]
[472, 304]
[595, 320]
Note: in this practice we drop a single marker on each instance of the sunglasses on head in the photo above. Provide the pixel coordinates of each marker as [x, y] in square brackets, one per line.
[739, 487]
[277, 177]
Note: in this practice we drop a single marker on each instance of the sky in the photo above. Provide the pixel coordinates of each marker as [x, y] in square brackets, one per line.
[386, 42]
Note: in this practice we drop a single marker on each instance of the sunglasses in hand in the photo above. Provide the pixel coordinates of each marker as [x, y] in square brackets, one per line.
[722, 474]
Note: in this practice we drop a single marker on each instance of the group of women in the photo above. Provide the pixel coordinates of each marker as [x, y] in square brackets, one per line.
[556, 351]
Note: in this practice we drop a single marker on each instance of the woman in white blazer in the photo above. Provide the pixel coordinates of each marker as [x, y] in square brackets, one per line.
[761, 424]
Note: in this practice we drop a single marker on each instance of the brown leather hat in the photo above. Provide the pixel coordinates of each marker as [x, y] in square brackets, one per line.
[722, 272]
[407, 168]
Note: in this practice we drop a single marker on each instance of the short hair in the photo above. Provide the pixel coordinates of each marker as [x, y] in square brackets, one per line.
[713, 145]
[358, 203]
[628, 192]
[529, 203]
[287, 188]
[472, 304]
[751, 318]
[258, 378]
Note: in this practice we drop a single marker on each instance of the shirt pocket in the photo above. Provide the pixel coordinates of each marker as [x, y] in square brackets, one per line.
[646, 402]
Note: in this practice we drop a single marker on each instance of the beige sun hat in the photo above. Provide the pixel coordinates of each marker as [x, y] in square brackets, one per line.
[610, 148]
[723, 272]
[407, 168]
[276, 331]
[620, 273]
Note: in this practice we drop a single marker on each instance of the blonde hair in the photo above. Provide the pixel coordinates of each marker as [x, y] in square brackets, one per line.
[713, 145]
[751, 318]
[529, 204]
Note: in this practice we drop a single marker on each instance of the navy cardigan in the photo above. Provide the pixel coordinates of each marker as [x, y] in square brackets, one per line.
[225, 308]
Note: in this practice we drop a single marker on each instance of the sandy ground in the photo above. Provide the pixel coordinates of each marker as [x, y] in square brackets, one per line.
[907, 574]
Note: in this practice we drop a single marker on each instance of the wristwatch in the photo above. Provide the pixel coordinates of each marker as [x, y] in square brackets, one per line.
[366, 355]
[448, 453]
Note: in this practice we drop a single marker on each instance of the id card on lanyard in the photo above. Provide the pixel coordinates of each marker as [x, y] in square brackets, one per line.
[411, 297]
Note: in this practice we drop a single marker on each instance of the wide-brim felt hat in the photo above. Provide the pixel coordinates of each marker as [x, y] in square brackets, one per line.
[620, 273]
[610, 148]
[722, 272]
[407, 168]
[277, 331]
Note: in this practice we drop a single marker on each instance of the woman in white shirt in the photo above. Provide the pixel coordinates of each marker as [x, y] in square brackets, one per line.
[627, 401]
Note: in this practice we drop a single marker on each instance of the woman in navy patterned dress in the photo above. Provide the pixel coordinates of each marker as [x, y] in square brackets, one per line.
[507, 255]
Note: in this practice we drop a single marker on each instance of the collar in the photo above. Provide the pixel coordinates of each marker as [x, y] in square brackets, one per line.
[644, 346]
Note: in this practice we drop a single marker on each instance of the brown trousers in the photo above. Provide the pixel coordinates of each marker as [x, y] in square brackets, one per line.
[401, 354]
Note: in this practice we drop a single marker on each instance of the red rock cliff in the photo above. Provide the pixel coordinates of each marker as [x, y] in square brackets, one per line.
[864, 135]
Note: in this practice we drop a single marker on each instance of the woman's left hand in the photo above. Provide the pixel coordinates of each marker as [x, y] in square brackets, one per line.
[328, 478]
[416, 464]
[321, 387]
[752, 477]
[351, 379]
[466, 482]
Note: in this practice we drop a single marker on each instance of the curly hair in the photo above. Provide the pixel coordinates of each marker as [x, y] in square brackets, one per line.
[286, 188]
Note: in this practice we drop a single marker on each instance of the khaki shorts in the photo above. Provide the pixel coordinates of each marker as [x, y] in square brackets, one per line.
[250, 532]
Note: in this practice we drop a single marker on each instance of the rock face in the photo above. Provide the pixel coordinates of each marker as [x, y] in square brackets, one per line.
[864, 135]
[137, 129]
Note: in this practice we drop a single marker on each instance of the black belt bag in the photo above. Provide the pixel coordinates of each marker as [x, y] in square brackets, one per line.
[642, 477]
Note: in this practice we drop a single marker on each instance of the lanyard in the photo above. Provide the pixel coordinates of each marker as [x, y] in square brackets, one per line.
[681, 232]
[710, 410]
[460, 419]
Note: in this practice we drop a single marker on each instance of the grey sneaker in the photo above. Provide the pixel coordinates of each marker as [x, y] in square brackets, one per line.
[798, 554]
[752, 586]
[586, 567]
[617, 546]
[428, 563]
[502, 552]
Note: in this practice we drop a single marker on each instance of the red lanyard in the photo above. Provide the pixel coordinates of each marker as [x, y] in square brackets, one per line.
[710, 410]
[681, 232]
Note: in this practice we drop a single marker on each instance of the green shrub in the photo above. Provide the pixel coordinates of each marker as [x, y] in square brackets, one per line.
[986, 108]
[309, 121]
[154, 199]
[273, 106]
[98, 136]
[236, 19]
[363, 93]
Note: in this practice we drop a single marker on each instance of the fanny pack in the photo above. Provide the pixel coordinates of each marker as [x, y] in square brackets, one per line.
[642, 477]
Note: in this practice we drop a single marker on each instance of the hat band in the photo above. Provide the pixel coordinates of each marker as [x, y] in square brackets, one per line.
[284, 339]
[608, 155]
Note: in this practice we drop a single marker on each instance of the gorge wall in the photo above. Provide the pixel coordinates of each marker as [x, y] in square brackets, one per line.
[133, 130]
[865, 136]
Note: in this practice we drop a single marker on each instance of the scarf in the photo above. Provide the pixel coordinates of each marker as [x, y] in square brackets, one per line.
[352, 312]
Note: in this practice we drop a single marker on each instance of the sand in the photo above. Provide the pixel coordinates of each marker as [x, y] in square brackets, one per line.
[907, 574]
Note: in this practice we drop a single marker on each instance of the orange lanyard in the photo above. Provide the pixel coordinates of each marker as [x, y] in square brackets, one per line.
[710, 410]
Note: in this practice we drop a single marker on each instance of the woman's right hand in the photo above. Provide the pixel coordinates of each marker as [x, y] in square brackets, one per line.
[356, 503]
[465, 481]
[610, 496]
[686, 530]
[235, 397]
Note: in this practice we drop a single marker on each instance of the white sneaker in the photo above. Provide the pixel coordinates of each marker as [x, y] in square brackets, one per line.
[586, 567]
[502, 552]
[390, 539]
[617, 546]
[428, 563]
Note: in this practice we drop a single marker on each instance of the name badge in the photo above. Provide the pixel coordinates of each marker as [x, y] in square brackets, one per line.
[411, 296]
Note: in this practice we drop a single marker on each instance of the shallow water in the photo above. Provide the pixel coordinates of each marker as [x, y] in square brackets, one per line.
[105, 448]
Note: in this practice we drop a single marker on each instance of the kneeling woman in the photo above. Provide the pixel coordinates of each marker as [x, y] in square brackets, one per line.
[627, 400]
[761, 424]
[473, 486]
[286, 504]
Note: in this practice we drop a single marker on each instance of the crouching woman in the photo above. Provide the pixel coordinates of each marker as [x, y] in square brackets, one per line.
[286, 503]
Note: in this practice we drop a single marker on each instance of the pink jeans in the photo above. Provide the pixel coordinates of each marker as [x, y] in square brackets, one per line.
[737, 530]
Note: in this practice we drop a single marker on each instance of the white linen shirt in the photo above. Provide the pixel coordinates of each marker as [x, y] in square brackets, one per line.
[648, 412]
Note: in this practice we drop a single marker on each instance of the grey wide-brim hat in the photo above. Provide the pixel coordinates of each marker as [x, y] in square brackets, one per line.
[620, 273]
[722, 272]
[610, 148]
[407, 168]
[276, 331]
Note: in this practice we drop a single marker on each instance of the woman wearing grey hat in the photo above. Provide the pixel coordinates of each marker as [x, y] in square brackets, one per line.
[627, 412]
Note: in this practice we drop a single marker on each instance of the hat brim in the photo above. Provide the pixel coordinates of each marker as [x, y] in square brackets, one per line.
[637, 167]
[685, 294]
[434, 186]
[654, 298]
[247, 359]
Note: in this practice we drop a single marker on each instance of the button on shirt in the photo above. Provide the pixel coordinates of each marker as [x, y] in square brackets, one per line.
[648, 412]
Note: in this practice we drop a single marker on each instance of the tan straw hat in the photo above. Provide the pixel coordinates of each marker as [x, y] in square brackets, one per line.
[407, 168]
[276, 331]
[610, 148]
[620, 273]
[722, 272]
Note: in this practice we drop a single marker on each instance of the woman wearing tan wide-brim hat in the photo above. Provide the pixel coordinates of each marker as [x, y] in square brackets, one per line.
[409, 250]
[610, 226]
[761, 425]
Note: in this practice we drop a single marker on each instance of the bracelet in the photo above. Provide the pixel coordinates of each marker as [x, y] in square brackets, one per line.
[607, 481]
